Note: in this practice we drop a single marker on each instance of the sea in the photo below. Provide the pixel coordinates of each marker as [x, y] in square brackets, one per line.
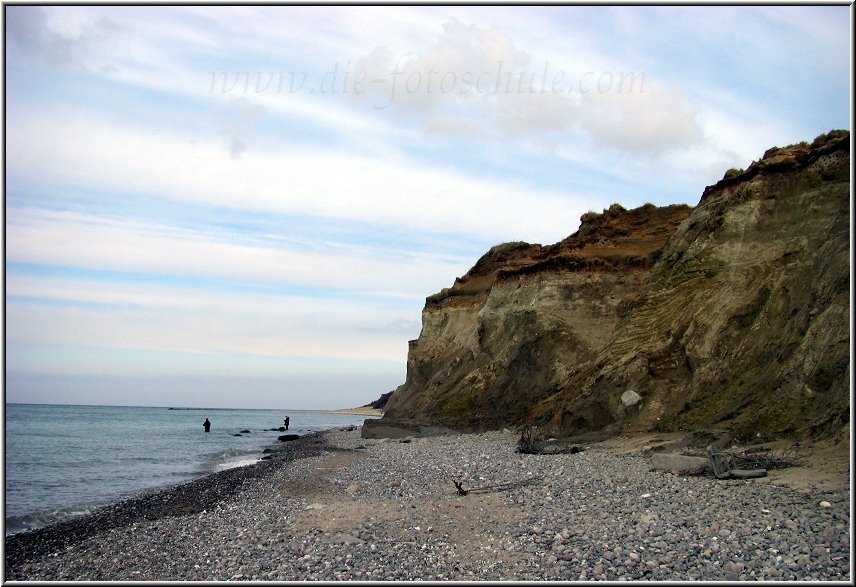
[63, 460]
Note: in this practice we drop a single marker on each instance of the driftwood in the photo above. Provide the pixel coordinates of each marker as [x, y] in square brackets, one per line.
[530, 444]
[767, 458]
[499, 487]
[725, 466]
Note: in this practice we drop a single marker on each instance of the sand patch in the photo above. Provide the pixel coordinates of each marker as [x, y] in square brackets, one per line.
[474, 525]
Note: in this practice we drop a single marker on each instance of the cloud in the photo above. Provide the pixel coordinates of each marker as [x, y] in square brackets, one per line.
[239, 131]
[472, 81]
[86, 241]
[475, 83]
[66, 155]
[101, 313]
[646, 120]
[32, 29]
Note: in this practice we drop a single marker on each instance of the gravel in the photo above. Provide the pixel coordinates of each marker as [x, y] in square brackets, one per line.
[334, 506]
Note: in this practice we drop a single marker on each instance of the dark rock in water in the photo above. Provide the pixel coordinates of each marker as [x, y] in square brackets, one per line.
[267, 451]
[237, 435]
[267, 458]
[287, 437]
[245, 431]
[281, 428]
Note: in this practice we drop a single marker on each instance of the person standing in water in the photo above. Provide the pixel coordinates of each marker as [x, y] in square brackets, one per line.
[207, 425]
[286, 421]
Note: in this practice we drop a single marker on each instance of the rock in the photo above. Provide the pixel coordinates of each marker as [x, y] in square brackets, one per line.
[630, 398]
[732, 567]
[679, 464]
[343, 538]
[245, 432]
[237, 435]
[825, 504]
[353, 489]
[287, 437]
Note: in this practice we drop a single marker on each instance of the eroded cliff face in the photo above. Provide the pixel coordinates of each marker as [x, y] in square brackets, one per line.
[734, 314]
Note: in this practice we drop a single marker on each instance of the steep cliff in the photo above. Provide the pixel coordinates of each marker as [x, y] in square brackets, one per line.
[733, 314]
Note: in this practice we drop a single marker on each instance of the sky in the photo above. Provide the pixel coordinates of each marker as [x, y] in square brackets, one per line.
[225, 206]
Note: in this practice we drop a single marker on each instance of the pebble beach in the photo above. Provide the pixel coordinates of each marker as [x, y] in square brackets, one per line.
[334, 506]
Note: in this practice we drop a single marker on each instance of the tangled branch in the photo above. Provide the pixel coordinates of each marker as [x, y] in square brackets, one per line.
[499, 487]
[531, 445]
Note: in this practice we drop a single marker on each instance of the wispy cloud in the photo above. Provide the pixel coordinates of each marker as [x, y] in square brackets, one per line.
[326, 183]
[103, 244]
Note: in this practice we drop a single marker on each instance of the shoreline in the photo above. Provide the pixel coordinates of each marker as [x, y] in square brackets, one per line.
[334, 506]
[188, 497]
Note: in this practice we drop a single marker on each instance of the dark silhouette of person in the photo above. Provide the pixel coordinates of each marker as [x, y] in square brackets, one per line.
[207, 425]
[287, 420]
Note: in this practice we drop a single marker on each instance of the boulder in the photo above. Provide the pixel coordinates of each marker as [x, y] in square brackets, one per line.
[679, 464]
[287, 437]
[630, 398]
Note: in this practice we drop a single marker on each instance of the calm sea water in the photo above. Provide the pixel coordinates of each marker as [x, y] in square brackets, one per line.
[65, 460]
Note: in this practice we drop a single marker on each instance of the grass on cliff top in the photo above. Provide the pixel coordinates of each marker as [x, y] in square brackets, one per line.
[509, 246]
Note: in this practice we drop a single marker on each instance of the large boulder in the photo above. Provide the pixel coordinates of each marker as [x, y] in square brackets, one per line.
[679, 464]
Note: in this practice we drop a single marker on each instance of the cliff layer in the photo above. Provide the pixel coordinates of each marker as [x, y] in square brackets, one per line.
[733, 314]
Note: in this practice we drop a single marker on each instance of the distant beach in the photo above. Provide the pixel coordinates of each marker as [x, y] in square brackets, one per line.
[359, 411]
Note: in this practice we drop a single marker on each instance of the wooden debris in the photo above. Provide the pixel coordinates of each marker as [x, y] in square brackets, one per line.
[499, 487]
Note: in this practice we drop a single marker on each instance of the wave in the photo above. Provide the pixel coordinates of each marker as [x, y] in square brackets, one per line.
[230, 458]
[40, 519]
[237, 462]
